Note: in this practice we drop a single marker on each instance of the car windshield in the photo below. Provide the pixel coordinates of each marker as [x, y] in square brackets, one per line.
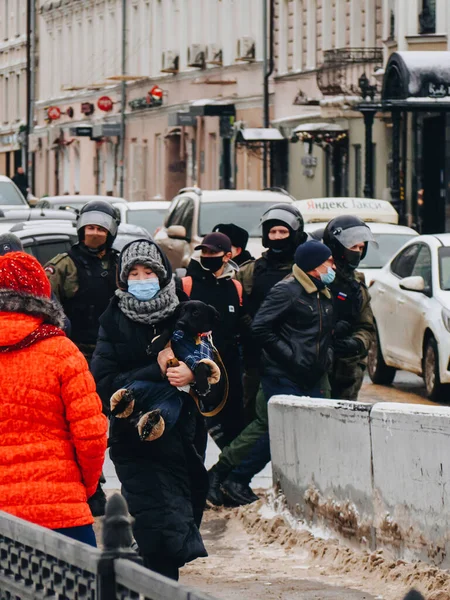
[444, 268]
[244, 214]
[150, 219]
[388, 245]
[9, 195]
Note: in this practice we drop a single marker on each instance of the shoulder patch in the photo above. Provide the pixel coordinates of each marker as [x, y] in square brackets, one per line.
[50, 269]
[57, 259]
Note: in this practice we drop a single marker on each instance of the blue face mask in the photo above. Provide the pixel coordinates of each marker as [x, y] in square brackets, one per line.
[143, 289]
[328, 277]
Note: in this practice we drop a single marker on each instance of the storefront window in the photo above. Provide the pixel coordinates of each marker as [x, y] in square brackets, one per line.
[427, 18]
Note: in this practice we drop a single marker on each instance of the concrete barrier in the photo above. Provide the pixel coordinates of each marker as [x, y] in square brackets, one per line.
[411, 478]
[379, 475]
[321, 458]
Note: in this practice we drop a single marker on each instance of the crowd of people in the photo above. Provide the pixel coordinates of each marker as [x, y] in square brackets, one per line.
[79, 345]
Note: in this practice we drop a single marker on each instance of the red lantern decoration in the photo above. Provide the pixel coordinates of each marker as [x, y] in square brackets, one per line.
[53, 113]
[155, 95]
[105, 103]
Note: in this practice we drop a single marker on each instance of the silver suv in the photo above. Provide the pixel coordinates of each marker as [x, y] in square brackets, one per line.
[194, 212]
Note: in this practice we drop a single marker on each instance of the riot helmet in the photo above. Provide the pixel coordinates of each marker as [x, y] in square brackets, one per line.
[288, 216]
[101, 213]
[342, 233]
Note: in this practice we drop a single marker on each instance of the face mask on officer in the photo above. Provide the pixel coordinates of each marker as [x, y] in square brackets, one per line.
[353, 255]
[143, 284]
[279, 239]
[95, 236]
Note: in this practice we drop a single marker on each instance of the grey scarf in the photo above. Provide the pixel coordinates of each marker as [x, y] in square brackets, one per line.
[151, 311]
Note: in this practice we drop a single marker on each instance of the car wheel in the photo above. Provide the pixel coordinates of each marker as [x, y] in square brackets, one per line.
[379, 371]
[436, 390]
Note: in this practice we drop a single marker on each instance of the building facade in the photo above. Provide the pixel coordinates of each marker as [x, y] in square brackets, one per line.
[193, 77]
[13, 63]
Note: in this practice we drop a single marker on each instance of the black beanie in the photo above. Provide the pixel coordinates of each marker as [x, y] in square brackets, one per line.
[237, 235]
[311, 255]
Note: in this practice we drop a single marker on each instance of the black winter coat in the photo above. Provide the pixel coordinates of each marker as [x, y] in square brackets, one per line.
[294, 327]
[163, 481]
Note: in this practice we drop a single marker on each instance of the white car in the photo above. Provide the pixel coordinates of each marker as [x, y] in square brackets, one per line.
[411, 305]
[10, 195]
[149, 214]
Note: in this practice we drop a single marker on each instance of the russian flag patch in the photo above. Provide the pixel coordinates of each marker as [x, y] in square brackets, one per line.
[342, 296]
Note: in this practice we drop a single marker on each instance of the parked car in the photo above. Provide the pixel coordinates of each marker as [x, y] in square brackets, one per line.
[10, 196]
[149, 215]
[193, 213]
[34, 214]
[46, 239]
[379, 215]
[76, 202]
[411, 305]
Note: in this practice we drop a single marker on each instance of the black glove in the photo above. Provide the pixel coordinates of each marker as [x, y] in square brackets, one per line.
[342, 329]
[348, 347]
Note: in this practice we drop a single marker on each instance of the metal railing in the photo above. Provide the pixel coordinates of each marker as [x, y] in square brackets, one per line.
[342, 67]
[37, 564]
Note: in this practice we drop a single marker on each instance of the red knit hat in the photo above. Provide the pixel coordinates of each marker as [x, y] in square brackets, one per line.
[20, 272]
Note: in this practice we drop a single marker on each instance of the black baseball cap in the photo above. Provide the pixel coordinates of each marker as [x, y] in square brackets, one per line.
[217, 242]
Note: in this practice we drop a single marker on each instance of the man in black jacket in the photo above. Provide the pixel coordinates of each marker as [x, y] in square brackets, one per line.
[294, 328]
[211, 280]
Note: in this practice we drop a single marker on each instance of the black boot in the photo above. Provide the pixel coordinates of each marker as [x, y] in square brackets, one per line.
[216, 475]
[239, 493]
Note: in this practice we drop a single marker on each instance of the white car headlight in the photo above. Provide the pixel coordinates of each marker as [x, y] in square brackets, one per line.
[446, 318]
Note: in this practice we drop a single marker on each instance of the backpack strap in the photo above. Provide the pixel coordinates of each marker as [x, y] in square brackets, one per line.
[238, 286]
[186, 282]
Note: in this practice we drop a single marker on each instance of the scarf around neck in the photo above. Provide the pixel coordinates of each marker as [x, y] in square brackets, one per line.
[151, 311]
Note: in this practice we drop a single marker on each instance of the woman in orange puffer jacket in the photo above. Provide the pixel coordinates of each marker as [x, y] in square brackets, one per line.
[52, 430]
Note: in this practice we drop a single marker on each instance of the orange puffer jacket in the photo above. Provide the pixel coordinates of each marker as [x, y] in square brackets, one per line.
[52, 430]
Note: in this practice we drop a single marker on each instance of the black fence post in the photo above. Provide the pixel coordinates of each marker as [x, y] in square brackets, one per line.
[117, 537]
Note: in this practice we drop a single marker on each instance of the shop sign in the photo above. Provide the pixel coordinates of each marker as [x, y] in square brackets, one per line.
[53, 113]
[81, 131]
[105, 104]
[87, 108]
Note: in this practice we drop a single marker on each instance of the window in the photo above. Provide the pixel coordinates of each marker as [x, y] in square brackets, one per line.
[6, 20]
[183, 215]
[47, 248]
[283, 37]
[6, 101]
[19, 99]
[403, 264]
[422, 266]
[427, 18]
[388, 245]
[444, 268]
[311, 35]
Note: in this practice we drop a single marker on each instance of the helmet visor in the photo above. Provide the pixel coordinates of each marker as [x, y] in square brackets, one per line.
[94, 217]
[354, 235]
[278, 214]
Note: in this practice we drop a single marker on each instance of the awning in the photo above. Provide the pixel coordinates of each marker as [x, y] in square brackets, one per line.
[417, 81]
[316, 127]
[212, 108]
[260, 134]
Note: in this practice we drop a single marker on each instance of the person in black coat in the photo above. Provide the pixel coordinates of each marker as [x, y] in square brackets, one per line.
[164, 481]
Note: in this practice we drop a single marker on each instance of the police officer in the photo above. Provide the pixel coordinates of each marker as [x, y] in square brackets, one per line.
[282, 232]
[84, 279]
[348, 237]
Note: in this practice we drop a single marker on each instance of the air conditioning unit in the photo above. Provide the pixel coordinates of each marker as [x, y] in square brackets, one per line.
[246, 49]
[196, 56]
[170, 61]
[214, 54]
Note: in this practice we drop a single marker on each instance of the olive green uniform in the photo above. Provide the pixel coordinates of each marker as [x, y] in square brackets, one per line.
[348, 372]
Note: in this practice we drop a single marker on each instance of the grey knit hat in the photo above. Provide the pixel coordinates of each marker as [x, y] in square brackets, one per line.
[144, 253]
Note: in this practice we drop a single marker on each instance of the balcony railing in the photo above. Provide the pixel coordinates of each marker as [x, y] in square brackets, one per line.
[342, 68]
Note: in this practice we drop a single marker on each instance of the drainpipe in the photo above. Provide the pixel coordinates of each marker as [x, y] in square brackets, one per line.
[31, 86]
[268, 70]
[123, 102]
